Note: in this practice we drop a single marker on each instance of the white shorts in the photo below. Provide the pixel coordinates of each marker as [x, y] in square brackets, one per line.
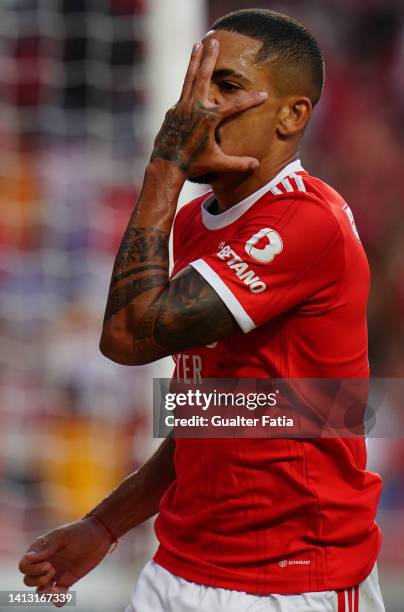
[157, 590]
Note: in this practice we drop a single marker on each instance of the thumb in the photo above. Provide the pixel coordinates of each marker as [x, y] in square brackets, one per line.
[233, 163]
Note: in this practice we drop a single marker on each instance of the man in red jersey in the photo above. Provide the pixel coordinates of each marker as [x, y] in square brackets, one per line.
[270, 281]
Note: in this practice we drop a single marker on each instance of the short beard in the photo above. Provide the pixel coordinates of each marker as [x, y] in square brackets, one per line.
[204, 179]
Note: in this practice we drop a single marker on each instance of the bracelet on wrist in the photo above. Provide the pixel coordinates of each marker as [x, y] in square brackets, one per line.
[114, 539]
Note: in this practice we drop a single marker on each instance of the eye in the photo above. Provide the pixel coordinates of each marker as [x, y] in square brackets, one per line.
[228, 86]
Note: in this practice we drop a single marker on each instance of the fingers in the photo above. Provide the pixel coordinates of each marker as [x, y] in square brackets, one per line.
[44, 580]
[241, 103]
[37, 574]
[232, 163]
[41, 550]
[35, 563]
[38, 569]
[192, 70]
[201, 83]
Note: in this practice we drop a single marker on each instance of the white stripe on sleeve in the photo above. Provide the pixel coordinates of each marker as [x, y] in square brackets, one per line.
[232, 303]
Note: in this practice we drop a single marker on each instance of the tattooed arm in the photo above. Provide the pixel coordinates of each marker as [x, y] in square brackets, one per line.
[147, 316]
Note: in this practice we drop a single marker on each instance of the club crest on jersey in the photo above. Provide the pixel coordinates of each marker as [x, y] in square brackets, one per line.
[240, 267]
[271, 245]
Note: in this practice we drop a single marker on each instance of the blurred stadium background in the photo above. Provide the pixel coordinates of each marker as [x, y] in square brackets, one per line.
[83, 88]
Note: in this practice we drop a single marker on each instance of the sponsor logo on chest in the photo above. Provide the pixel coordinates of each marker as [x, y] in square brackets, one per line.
[242, 270]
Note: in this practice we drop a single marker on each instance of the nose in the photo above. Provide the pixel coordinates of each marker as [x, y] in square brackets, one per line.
[214, 95]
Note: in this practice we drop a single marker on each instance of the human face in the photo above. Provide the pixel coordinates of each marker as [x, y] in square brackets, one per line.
[251, 132]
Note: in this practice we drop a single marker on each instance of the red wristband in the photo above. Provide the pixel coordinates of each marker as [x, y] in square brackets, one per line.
[109, 531]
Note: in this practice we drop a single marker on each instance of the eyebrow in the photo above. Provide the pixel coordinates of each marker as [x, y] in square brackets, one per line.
[228, 72]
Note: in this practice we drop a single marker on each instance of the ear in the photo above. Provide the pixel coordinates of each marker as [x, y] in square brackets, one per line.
[294, 115]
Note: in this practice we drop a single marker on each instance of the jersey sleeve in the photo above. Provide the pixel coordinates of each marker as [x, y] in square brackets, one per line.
[269, 268]
[177, 232]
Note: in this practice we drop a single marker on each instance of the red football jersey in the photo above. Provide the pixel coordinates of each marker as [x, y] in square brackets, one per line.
[275, 515]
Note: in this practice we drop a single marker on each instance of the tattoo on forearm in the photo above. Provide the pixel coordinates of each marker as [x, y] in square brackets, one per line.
[145, 329]
[121, 297]
[184, 312]
[137, 270]
[183, 137]
[139, 245]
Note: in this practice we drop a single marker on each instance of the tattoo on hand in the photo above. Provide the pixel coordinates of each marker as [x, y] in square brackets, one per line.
[184, 136]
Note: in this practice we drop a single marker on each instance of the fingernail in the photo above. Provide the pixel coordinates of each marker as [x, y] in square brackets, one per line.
[263, 94]
[197, 46]
[212, 43]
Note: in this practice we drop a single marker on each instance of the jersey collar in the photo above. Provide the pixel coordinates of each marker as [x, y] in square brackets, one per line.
[214, 222]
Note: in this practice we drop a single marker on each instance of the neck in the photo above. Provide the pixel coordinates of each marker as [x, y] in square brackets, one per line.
[232, 188]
